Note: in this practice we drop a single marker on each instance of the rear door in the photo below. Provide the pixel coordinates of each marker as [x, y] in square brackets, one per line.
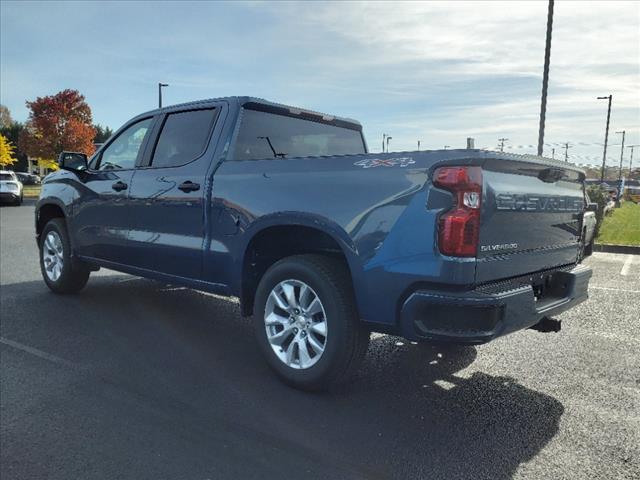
[168, 195]
[531, 218]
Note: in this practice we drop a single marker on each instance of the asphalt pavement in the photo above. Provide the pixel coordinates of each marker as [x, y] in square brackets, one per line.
[136, 379]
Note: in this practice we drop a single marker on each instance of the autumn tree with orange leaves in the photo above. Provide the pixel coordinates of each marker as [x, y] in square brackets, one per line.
[60, 122]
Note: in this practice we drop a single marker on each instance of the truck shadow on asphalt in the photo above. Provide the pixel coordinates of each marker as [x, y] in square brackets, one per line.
[189, 361]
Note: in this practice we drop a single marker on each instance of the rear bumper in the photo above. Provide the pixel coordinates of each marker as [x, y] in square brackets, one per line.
[481, 315]
[9, 197]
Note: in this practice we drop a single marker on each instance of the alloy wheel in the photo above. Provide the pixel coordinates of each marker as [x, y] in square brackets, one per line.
[296, 324]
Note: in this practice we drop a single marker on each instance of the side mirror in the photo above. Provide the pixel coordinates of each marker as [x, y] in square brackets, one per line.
[592, 207]
[74, 161]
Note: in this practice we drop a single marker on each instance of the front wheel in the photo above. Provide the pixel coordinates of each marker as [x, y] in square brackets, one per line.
[61, 273]
[306, 322]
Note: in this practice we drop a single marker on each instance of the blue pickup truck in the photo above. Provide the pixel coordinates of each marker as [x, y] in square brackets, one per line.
[321, 241]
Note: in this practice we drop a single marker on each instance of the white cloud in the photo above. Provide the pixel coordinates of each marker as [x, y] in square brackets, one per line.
[406, 50]
[434, 71]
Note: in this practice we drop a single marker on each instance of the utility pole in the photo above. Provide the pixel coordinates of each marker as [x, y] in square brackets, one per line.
[606, 137]
[553, 153]
[566, 151]
[447, 146]
[631, 159]
[623, 132]
[545, 78]
[160, 85]
[384, 136]
[418, 145]
[388, 138]
[502, 140]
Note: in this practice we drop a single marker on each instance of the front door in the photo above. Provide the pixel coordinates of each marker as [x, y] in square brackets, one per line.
[101, 213]
[168, 196]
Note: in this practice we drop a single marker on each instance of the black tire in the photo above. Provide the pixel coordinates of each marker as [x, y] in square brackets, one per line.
[347, 340]
[19, 201]
[74, 275]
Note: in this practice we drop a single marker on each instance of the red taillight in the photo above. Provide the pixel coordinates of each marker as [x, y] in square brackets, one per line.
[459, 228]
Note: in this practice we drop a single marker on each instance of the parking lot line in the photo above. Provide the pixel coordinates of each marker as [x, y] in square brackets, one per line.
[596, 287]
[627, 265]
[37, 353]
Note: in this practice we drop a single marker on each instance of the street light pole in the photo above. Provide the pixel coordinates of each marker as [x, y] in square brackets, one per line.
[388, 138]
[160, 85]
[545, 78]
[606, 137]
[384, 136]
[418, 145]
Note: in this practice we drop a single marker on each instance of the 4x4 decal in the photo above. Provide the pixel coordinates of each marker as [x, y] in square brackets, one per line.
[385, 162]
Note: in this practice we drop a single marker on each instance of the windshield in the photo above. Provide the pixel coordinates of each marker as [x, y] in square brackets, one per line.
[268, 135]
[6, 177]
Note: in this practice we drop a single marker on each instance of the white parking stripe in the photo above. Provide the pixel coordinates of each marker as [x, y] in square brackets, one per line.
[38, 353]
[613, 289]
[627, 265]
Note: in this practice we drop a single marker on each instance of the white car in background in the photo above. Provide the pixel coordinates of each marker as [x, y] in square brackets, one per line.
[10, 188]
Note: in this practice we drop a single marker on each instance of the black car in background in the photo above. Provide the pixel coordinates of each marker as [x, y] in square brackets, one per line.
[28, 178]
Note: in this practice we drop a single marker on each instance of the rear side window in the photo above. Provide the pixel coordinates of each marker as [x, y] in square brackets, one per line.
[183, 138]
[269, 135]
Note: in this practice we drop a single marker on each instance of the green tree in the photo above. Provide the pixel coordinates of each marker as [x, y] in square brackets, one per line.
[5, 117]
[11, 130]
[102, 133]
[598, 195]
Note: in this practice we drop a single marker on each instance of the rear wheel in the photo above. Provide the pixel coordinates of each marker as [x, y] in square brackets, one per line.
[61, 273]
[306, 322]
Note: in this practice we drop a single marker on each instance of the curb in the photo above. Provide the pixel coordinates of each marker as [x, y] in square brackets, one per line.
[607, 247]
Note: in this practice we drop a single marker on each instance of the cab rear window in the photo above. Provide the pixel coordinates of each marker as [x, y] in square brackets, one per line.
[265, 135]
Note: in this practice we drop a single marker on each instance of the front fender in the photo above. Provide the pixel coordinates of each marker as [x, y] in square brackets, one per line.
[58, 191]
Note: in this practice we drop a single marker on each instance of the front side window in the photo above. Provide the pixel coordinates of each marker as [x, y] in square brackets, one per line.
[269, 135]
[123, 151]
[183, 138]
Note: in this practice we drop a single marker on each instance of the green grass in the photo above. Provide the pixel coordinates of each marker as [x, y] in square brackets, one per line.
[622, 226]
[31, 191]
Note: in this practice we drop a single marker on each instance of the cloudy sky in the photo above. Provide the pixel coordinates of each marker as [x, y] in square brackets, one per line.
[435, 72]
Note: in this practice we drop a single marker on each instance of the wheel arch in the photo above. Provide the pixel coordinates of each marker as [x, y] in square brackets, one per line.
[45, 211]
[279, 237]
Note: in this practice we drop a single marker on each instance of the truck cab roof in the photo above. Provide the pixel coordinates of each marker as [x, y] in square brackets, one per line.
[265, 105]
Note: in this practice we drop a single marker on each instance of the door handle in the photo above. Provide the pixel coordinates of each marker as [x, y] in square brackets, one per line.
[189, 186]
[119, 186]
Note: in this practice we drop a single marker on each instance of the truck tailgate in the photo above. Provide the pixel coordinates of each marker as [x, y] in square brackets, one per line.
[531, 217]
